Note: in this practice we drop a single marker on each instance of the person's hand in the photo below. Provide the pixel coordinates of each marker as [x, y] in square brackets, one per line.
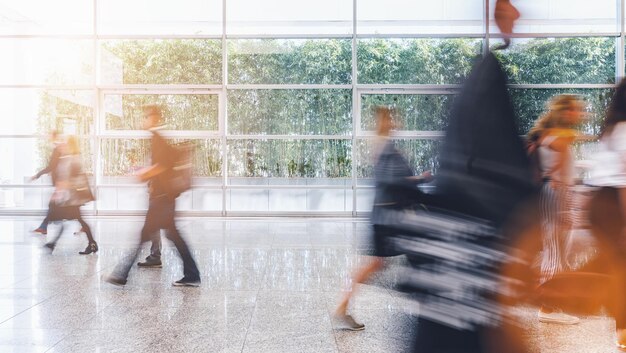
[33, 178]
[505, 15]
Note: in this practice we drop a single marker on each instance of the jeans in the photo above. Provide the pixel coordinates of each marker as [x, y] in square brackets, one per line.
[44, 223]
[155, 248]
[161, 211]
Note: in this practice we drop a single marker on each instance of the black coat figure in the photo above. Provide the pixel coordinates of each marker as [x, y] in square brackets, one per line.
[484, 175]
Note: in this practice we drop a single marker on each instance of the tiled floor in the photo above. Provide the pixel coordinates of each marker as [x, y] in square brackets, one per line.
[268, 285]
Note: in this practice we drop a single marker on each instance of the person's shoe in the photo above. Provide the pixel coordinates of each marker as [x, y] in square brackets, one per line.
[183, 282]
[50, 247]
[91, 248]
[150, 263]
[347, 322]
[558, 317]
[40, 231]
[114, 280]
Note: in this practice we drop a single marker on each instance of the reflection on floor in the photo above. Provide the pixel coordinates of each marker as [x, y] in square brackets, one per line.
[267, 286]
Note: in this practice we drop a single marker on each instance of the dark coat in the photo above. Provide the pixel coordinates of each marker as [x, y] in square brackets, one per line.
[484, 169]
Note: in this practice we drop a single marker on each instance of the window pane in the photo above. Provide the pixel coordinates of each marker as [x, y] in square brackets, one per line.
[289, 158]
[529, 104]
[282, 112]
[39, 111]
[46, 61]
[421, 155]
[24, 157]
[415, 61]
[560, 60]
[180, 111]
[289, 17]
[177, 61]
[420, 16]
[415, 112]
[122, 158]
[323, 61]
[289, 200]
[25, 198]
[46, 17]
[160, 17]
[563, 16]
[122, 198]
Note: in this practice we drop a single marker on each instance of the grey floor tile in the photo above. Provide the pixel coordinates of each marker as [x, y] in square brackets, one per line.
[267, 286]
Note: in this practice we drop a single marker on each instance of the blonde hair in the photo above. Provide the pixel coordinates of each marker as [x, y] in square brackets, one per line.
[553, 116]
[72, 145]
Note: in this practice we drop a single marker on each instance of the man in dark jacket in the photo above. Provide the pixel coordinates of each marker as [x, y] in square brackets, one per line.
[161, 209]
[51, 169]
[484, 174]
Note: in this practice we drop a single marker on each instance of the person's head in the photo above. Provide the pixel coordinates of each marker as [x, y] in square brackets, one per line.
[564, 111]
[505, 15]
[616, 111]
[384, 120]
[53, 135]
[72, 146]
[151, 116]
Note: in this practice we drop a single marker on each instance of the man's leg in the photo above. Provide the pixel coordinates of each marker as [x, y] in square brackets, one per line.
[191, 274]
[154, 259]
[120, 274]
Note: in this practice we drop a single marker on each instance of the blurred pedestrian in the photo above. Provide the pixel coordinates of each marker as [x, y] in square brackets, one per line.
[396, 187]
[51, 168]
[607, 208]
[555, 132]
[162, 204]
[71, 192]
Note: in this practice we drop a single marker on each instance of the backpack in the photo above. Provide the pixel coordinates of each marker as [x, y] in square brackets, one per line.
[182, 171]
[532, 149]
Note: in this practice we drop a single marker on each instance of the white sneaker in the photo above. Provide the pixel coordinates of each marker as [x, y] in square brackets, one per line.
[558, 317]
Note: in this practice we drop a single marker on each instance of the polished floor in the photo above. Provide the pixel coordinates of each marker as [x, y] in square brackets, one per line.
[268, 285]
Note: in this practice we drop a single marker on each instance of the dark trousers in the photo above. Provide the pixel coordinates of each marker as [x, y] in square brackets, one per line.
[44, 223]
[57, 213]
[155, 248]
[161, 211]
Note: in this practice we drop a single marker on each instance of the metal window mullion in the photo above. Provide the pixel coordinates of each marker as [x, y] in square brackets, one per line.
[556, 35]
[356, 108]
[288, 36]
[286, 86]
[487, 35]
[224, 111]
[419, 35]
[288, 137]
[48, 87]
[160, 89]
[562, 86]
[157, 36]
[97, 161]
[620, 60]
[142, 134]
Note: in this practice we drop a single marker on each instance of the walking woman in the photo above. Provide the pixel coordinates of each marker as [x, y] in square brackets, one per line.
[555, 133]
[70, 193]
[396, 187]
[607, 208]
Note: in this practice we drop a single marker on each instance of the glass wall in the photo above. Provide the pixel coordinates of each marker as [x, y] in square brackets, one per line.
[276, 95]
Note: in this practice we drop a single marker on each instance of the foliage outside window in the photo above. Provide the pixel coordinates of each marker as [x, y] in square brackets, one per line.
[273, 61]
[196, 112]
[290, 112]
[290, 158]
